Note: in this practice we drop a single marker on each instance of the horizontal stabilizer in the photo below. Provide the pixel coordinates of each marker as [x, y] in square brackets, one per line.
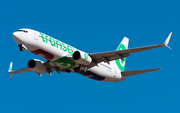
[130, 73]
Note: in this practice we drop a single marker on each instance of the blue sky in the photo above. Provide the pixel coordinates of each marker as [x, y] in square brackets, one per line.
[93, 26]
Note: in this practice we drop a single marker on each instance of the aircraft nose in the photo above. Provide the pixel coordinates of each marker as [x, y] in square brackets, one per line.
[16, 36]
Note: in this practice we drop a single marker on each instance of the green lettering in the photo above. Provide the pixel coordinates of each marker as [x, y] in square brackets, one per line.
[52, 41]
[70, 50]
[64, 47]
[42, 35]
[46, 38]
[57, 43]
[60, 45]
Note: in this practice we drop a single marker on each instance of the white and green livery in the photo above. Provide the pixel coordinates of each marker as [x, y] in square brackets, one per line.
[61, 57]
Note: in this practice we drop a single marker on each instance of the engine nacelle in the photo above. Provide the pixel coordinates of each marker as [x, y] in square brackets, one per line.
[82, 58]
[36, 66]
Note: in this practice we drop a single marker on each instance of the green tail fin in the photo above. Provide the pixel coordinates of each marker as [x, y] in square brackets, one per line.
[123, 45]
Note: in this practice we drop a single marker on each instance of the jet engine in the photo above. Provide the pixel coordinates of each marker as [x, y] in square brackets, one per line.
[36, 66]
[82, 58]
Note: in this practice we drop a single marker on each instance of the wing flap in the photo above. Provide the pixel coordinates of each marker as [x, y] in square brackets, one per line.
[130, 73]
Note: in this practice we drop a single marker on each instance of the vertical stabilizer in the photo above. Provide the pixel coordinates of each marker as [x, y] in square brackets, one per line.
[124, 42]
[120, 63]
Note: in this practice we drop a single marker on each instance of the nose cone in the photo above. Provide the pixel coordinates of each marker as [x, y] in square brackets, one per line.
[16, 36]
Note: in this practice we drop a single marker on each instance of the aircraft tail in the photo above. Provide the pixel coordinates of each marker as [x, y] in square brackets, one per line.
[120, 63]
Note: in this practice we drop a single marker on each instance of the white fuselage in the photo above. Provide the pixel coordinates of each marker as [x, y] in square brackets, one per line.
[54, 50]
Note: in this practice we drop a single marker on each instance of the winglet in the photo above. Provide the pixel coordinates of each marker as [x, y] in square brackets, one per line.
[10, 70]
[167, 40]
[10, 67]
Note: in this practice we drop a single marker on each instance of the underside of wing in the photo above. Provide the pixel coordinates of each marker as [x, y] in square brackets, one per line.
[130, 73]
[21, 71]
[38, 67]
[18, 71]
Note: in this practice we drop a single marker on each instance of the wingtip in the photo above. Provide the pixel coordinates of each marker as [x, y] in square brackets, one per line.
[157, 69]
[10, 67]
[168, 38]
[169, 47]
[167, 41]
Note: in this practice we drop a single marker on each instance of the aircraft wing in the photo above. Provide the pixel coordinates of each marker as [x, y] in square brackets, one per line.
[113, 55]
[50, 67]
[17, 71]
[130, 73]
[21, 71]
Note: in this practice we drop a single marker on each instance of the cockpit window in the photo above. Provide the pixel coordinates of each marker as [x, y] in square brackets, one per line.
[23, 31]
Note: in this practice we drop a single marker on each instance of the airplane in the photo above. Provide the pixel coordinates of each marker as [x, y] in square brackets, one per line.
[61, 57]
